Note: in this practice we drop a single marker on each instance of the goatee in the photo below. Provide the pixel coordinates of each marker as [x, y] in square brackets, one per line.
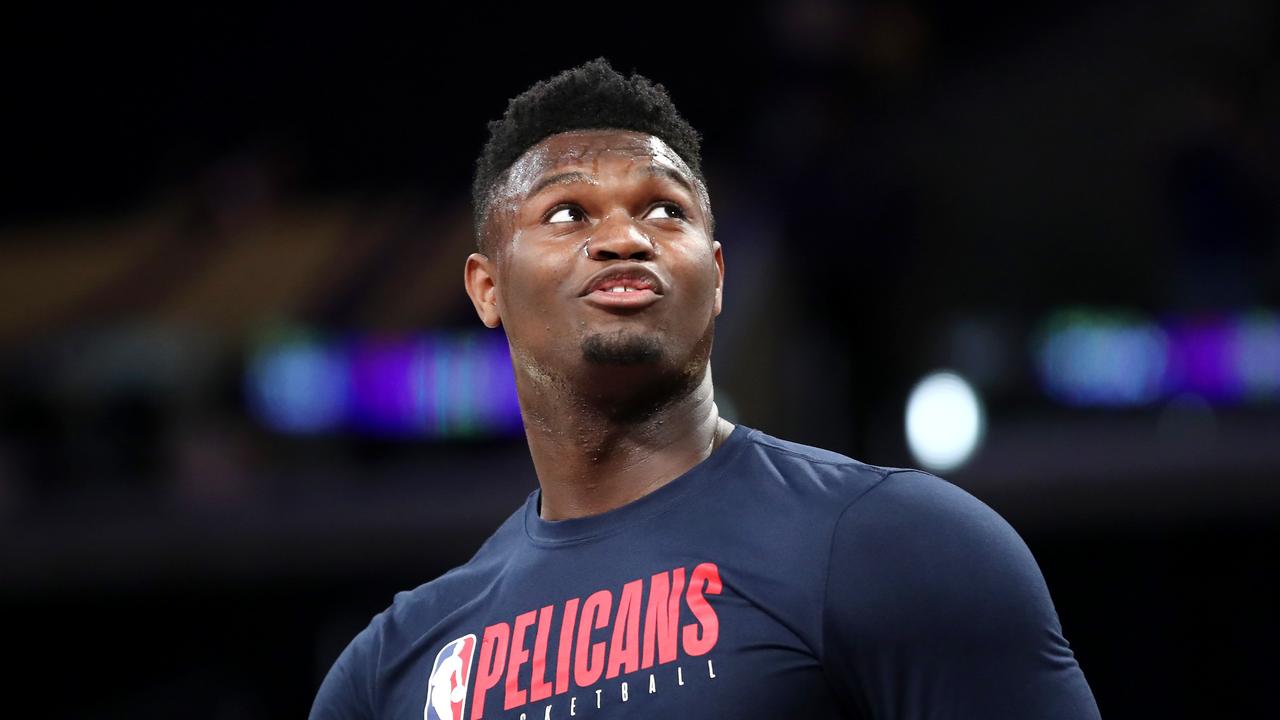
[621, 348]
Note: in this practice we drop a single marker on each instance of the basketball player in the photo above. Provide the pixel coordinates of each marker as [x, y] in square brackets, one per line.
[672, 564]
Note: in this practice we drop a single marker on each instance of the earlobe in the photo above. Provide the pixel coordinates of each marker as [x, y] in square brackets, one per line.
[481, 287]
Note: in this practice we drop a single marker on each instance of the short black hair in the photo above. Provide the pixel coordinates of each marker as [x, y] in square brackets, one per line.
[590, 96]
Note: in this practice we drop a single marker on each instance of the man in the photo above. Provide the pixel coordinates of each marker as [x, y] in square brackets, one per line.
[671, 564]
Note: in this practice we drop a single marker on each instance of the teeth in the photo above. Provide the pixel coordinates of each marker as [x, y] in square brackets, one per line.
[619, 288]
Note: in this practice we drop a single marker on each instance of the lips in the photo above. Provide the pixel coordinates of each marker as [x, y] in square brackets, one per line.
[622, 290]
[620, 282]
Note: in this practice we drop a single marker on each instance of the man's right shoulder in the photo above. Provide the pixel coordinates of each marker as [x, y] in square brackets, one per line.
[352, 687]
[447, 593]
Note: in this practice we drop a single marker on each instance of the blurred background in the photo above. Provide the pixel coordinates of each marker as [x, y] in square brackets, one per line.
[244, 399]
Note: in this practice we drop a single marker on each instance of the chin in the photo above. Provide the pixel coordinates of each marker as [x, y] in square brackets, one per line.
[622, 348]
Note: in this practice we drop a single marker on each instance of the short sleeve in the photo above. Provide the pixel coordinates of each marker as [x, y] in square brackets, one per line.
[935, 608]
[346, 693]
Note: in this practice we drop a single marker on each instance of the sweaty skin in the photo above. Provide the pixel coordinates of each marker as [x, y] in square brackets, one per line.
[616, 394]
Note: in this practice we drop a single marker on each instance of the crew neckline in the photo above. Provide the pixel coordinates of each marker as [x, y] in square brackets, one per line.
[576, 530]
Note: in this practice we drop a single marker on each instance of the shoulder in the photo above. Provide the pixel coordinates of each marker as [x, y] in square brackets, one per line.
[905, 496]
[775, 446]
[907, 491]
[928, 588]
[351, 687]
[923, 547]
[428, 602]
[898, 509]
[917, 511]
[826, 476]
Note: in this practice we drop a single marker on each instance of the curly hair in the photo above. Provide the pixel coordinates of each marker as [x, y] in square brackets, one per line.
[590, 96]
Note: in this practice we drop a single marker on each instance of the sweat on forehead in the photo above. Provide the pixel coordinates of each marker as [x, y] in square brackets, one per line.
[577, 148]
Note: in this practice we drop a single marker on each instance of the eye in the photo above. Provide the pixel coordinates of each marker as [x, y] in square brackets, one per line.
[566, 214]
[665, 211]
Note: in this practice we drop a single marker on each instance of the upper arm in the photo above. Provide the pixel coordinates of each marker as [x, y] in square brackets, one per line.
[934, 607]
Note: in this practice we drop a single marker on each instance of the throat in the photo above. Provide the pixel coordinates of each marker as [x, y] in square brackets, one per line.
[590, 463]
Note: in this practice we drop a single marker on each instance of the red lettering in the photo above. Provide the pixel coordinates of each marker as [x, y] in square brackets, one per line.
[576, 653]
[519, 655]
[624, 651]
[493, 658]
[595, 615]
[662, 618]
[566, 645]
[695, 642]
[539, 688]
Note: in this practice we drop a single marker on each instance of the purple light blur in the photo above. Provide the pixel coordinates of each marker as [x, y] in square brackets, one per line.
[1201, 360]
[1120, 359]
[435, 385]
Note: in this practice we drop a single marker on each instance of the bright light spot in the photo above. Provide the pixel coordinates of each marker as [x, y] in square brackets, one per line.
[945, 421]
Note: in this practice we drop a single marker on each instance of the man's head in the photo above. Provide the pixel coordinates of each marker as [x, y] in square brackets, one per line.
[590, 96]
[594, 227]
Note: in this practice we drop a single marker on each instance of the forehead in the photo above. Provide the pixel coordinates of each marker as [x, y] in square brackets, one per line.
[581, 149]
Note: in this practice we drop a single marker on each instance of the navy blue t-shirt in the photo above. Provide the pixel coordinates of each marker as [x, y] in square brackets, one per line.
[772, 580]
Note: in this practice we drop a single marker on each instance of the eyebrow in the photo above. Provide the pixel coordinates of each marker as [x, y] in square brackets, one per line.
[564, 178]
[673, 175]
[577, 176]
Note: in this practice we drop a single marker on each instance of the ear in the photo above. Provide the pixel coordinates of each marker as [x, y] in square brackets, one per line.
[483, 291]
[719, 257]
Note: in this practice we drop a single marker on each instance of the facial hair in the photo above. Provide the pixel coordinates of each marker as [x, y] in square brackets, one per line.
[621, 348]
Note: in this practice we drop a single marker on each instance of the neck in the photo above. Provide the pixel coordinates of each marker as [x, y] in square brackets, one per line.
[594, 455]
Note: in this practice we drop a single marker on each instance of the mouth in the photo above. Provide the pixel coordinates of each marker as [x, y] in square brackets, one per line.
[618, 288]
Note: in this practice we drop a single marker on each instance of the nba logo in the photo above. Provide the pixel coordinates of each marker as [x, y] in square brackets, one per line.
[447, 686]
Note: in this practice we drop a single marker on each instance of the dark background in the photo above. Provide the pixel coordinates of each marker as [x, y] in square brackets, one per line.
[899, 187]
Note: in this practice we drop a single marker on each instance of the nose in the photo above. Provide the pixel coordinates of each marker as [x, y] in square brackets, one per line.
[619, 238]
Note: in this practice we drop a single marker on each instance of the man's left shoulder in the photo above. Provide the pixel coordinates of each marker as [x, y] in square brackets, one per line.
[828, 483]
[815, 472]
